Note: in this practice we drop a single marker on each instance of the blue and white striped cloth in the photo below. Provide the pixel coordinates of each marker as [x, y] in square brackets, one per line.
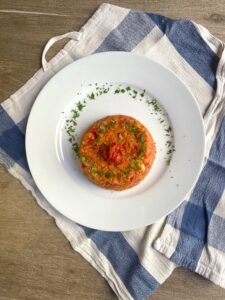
[135, 263]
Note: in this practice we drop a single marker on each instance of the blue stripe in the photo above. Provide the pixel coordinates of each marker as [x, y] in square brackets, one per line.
[198, 213]
[138, 281]
[5, 121]
[188, 42]
[216, 235]
[22, 125]
[193, 236]
[175, 218]
[187, 251]
[12, 140]
[133, 28]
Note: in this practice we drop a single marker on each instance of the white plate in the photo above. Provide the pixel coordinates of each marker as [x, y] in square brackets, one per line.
[50, 155]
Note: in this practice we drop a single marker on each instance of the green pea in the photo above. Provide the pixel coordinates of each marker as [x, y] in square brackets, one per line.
[102, 128]
[142, 138]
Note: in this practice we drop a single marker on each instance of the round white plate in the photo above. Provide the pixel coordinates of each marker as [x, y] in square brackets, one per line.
[50, 156]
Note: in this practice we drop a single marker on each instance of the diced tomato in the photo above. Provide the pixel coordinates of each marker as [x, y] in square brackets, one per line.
[133, 179]
[118, 159]
[133, 151]
[94, 130]
[115, 153]
[91, 136]
[122, 122]
[83, 165]
[126, 145]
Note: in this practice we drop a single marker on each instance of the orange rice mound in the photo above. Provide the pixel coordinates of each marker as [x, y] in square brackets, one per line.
[117, 152]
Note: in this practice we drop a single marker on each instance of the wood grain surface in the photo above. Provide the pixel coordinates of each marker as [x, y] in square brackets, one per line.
[36, 261]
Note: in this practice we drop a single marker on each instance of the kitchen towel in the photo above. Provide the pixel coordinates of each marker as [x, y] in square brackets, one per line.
[128, 260]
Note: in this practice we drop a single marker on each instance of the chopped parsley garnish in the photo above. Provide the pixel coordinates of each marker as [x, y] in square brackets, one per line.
[75, 114]
[76, 150]
[154, 103]
[168, 143]
[169, 129]
[105, 91]
[73, 122]
[168, 161]
[91, 96]
[80, 106]
[143, 93]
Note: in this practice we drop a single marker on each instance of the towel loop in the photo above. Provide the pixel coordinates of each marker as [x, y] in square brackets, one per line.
[74, 35]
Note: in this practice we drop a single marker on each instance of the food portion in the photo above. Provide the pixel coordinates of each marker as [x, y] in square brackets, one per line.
[117, 152]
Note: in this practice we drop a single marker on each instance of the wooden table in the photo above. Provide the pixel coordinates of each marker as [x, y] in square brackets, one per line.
[36, 261]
